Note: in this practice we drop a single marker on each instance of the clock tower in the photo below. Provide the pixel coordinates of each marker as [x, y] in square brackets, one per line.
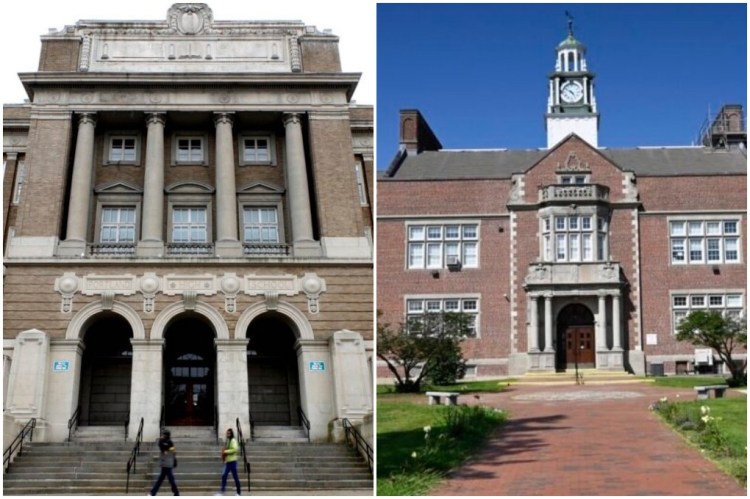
[571, 107]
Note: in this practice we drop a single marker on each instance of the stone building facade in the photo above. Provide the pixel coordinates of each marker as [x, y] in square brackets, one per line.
[188, 229]
[574, 255]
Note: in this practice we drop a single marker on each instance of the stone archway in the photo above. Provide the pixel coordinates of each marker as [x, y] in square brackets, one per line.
[576, 345]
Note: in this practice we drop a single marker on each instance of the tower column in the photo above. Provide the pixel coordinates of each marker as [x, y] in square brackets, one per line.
[227, 243]
[80, 188]
[548, 324]
[616, 326]
[601, 324]
[299, 194]
[533, 324]
[152, 237]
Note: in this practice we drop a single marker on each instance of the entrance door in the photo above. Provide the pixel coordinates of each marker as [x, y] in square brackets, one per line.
[579, 346]
[189, 399]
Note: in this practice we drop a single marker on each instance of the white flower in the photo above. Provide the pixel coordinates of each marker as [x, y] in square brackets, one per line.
[663, 399]
[414, 454]
[427, 429]
[705, 409]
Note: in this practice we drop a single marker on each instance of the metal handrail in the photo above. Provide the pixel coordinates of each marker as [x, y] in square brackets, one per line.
[359, 442]
[246, 463]
[303, 419]
[127, 427]
[216, 422]
[132, 460]
[17, 443]
[72, 422]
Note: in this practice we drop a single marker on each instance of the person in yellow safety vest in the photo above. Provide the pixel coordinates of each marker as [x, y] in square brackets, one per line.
[229, 457]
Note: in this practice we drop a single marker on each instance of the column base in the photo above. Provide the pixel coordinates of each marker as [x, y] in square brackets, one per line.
[610, 359]
[541, 361]
[150, 248]
[228, 249]
[71, 248]
[307, 248]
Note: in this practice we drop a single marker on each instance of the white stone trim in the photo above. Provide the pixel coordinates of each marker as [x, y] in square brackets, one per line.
[161, 323]
[81, 319]
[301, 326]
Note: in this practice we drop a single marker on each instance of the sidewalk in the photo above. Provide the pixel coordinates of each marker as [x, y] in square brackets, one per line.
[587, 441]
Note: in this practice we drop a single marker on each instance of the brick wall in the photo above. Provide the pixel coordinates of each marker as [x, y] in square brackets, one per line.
[59, 55]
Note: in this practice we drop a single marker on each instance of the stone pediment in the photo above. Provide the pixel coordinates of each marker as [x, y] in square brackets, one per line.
[119, 187]
[188, 187]
[261, 188]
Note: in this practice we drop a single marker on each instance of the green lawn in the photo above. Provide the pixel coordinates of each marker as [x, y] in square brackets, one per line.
[487, 386]
[688, 381]
[455, 433]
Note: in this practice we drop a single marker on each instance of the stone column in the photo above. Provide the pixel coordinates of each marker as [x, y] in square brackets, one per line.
[616, 326]
[548, 324]
[316, 386]
[232, 397]
[80, 188]
[601, 325]
[152, 214]
[27, 386]
[297, 184]
[227, 242]
[533, 324]
[146, 396]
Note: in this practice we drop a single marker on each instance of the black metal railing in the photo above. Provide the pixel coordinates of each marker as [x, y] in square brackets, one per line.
[133, 459]
[190, 249]
[216, 423]
[127, 427]
[16, 446]
[112, 249]
[358, 442]
[246, 463]
[268, 249]
[252, 427]
[304, 421]
[73, 422]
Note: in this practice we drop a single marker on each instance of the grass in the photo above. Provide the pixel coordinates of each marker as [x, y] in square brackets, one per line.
[688, 381]
[485, 386]
[455, 434]
[724, 440]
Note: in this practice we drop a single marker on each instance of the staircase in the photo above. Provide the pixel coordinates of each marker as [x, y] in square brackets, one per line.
[278, 466]
[588, 376]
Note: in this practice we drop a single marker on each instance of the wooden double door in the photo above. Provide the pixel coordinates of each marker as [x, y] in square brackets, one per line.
[580, 347]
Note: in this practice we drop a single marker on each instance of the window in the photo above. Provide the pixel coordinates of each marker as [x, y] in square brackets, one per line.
[704, 241]
[729, 304]
[257, 149]
[189, 225]
[361, 190]
[122, 149]
[260, 225]
[118, 225]
[20, 181]
[573, 179]
[189, 149]
[570, 238]
[435, 246]
[417, 307]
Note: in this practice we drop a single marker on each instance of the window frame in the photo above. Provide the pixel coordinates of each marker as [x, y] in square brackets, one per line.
[468, 245]
[587, 229]
[271, 140]
[700, 299]
[694, 240]
[177, 137]
[189, 206]
[116, 201]
[19, 183]
[112, 135]
[443, 298]
[261, 200]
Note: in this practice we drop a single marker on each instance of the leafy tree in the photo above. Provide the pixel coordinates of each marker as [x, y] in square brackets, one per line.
[723, 334]
[431, 341]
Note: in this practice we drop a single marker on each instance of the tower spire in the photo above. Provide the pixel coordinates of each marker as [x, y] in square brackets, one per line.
[570, 24]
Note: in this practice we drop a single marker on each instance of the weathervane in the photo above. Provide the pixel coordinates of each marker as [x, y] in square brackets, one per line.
[570, 23]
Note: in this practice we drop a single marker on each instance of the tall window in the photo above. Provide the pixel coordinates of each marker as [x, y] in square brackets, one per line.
[417, 307]
[729, 304]
[189, 150]
[361, 191]
[122, 149]
[256, 150]
[118, 225]
[572, 238]
[20, 181]
[704, 241]
[260, 225]
[189, 225]
[436, 246]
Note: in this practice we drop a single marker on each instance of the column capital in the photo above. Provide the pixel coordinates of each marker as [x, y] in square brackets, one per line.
[87, 119]
[223, 118]
[156, 118]
[11, 156]
[292, 118]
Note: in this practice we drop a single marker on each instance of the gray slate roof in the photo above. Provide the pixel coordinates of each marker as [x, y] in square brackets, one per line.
[501, 164]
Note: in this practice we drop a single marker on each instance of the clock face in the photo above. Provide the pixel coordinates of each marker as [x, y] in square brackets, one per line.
[571, 91]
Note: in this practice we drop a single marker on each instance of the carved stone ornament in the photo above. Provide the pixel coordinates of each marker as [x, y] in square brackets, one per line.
[230, 286]
[295, 55]
[573, 164]
[312, 285]
[190, 18]
[149, 285]
[67, 285]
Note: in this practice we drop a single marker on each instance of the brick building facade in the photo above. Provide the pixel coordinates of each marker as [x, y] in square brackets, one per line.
[572, 255]
[188, 229]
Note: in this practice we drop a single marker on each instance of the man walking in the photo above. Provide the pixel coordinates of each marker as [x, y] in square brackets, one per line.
[167, 461]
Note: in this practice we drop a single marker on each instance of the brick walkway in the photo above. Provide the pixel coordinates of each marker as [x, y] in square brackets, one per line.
[585, 441]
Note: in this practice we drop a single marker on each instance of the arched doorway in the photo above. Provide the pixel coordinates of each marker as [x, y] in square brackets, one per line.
[273, 377]
[107, 363]
[575, 338]
[190, 372]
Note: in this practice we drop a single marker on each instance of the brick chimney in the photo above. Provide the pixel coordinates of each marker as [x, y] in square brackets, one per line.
[415, 135]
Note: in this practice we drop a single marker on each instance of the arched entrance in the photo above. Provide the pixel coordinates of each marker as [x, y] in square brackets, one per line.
[273, 377]
[190, 372]
[104, 397]
[575, 338]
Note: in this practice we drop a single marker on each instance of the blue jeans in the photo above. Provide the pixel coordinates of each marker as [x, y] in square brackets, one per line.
[230, 466]
[165, 472]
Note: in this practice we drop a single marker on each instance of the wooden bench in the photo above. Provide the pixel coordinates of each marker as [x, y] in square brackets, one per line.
[451, 398]
[703, 391]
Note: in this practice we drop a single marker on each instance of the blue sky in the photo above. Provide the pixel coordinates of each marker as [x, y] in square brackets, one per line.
[479, 72]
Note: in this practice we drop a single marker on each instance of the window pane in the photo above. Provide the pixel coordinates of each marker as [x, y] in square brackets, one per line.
[416, 233]
[678, 250]
[434, 259]
[575, 251]
[451, 249]
[416, 255]
[586, 223]
[734, 300]
[452, 232]
[730, 227]
[561, 247]
[695, 228]
[601, 246]
[452, 306]
[470, 255]
[433, 306]
[573, 223]
[713, 250]
[559, 223]
[731, 253]
[696, 250]
[587, 248]
[716, 301]
[470, 231]
[434, 232]
[713, 228]
[677, 228]
[470, 305]
[679, 301]
[698, 301]
[545, 224]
